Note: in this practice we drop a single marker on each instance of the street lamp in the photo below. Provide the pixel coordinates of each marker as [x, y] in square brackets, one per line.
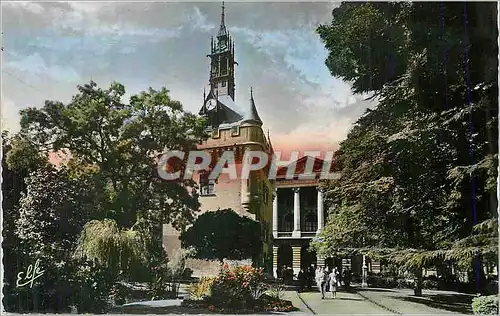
[364, 282]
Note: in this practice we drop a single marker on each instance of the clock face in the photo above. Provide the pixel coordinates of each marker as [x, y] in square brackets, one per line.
[211, 104]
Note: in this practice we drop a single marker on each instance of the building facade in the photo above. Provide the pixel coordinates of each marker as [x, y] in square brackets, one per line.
[290, 210]
[232, 127]
[299, 216]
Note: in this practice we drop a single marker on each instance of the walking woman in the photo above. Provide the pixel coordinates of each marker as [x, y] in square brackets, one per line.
[333, 280]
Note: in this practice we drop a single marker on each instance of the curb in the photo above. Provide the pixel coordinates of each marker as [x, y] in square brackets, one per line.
[307, 305]
[378, 304]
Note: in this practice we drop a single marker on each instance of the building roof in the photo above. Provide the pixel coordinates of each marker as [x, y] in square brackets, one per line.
[251, 114]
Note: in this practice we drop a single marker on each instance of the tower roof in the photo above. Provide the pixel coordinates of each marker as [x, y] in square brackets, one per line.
[251, 114]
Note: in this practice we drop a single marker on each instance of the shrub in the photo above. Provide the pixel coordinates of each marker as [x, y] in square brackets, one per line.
[232, 286]
[202, 289]
[93, 285]
[485, 305]
[119, 294]
[276, 290]
[159, 285]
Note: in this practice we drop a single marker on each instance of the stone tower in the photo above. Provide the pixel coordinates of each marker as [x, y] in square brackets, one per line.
[231, 128]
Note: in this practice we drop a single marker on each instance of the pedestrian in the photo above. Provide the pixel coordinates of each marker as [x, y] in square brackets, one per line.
[319, 279]
[302, 280]
[347, 278]
[324, 283]
[333, 280]
[310, 277]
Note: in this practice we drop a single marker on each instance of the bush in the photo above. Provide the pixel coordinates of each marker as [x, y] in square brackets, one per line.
[237, 290]
[119, 294]
[276, 290]
[485, 305]
[93, 288]
[232, 287]
[202, 289]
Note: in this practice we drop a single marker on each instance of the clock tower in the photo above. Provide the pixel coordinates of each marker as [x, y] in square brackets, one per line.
[218, 105]
[236, 128]
[222, 62]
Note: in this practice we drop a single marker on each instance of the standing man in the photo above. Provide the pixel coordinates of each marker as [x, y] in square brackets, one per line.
[347, 279]
[302, 280]
[310, 277]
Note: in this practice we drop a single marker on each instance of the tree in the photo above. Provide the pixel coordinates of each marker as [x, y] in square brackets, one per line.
[51, 214]
[223, 234]
[119, 144]
[122, 141]
[418, 171]
[70, 213]
[19, 161]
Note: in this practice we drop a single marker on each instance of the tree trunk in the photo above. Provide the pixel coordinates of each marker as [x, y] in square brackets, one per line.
[417, 290]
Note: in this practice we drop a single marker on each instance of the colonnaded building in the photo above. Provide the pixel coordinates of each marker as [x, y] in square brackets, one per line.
[290, 211]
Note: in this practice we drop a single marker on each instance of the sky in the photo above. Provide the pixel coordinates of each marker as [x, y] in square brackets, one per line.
[51, 47]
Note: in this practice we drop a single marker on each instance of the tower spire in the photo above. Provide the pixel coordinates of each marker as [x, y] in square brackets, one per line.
[222, 15]
[222, 29]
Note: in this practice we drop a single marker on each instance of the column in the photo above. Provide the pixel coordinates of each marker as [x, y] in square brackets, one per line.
[296, 260]
[320, 262]
[365, 273]
[275, 213]
[296, 212]
[275, 261]
[321, 214]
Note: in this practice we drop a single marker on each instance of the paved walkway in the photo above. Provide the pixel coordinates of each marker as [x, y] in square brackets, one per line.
[344, 304]
[402, 301]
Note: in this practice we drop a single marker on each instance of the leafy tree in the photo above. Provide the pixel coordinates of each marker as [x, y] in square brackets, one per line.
[119, 144]
[111, 247]
[223, 234]
[51, 214]
[419, 170]
[110, 184]
[122, 141]
[15, 168]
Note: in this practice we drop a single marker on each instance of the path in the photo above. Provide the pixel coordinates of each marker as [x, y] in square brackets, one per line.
[344, 304]
[402, 301]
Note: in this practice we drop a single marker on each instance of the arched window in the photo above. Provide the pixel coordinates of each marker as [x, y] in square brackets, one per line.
[311, 222]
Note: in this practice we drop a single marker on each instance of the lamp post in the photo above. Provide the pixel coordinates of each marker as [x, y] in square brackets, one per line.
[364, 282]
